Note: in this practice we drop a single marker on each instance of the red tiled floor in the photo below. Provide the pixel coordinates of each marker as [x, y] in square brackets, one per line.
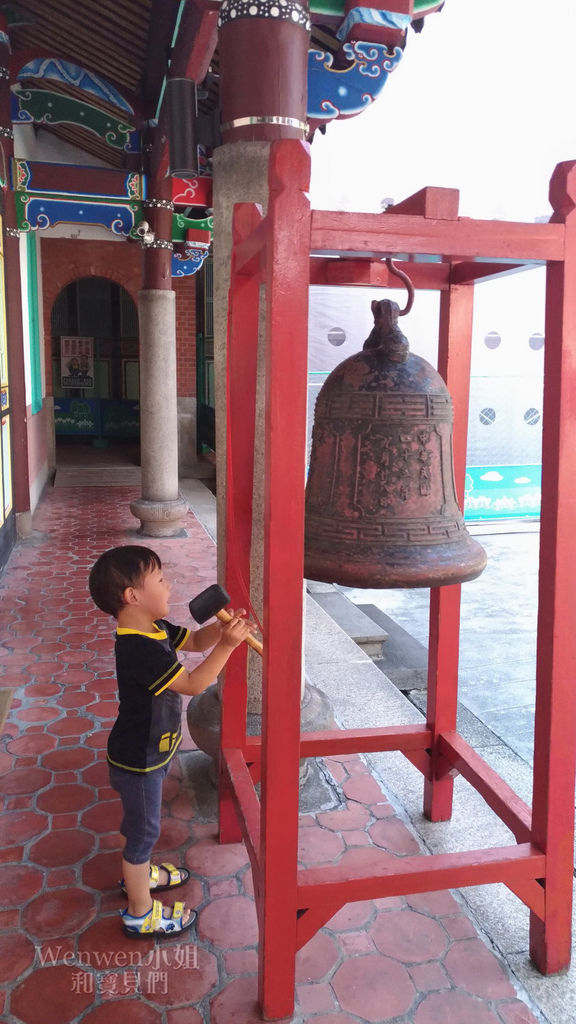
[67, 846]
[409, 937]
[72, 797]
[19, 826]
[58, 912]
[229, 922]
[374, 988]
[416, 959]
[16, 955]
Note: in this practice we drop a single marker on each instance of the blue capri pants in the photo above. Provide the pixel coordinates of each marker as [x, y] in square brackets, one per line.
[141, 796]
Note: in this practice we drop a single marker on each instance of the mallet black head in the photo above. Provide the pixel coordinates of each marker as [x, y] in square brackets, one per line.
[210, 601]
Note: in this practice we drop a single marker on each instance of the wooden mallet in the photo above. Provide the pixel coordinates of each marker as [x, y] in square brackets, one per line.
[212, 602]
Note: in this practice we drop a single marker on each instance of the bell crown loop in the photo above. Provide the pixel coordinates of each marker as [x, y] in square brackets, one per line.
[386, 337]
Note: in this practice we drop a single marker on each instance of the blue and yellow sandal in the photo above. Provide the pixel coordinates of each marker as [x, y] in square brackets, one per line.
[177, 877]
[160, 921]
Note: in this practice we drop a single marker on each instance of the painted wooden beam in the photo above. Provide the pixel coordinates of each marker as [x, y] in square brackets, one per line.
[378, 235]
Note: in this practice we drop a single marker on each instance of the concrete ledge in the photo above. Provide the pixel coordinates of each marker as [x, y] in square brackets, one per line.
[404, 659]
[365, 631]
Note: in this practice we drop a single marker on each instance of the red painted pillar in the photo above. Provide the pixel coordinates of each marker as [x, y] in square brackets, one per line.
[285, 464]
[454, 358]
[18, 417]
[158, 209]
[264, 70]
[555, 731]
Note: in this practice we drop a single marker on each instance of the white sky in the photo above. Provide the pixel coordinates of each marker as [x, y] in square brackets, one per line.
[483, 100]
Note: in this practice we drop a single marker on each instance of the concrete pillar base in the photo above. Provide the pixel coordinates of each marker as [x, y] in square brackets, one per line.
[24, 524]
[160, 518]
[203, 719]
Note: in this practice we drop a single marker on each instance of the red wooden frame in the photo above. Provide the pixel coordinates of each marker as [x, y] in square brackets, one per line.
[284, 251]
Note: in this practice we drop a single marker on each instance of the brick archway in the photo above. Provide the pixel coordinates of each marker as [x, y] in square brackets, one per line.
[65, 260]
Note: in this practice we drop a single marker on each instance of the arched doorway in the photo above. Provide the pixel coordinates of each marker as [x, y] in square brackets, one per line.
[95, 368]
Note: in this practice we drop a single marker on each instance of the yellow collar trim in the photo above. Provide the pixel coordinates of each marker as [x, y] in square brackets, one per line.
[159, 634]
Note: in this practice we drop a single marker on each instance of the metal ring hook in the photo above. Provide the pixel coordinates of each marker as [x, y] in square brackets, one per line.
[409, 286]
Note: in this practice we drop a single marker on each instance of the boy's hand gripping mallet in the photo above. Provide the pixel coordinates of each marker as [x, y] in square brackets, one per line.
[213, 601]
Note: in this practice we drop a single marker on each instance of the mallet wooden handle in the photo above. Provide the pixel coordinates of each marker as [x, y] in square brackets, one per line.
[252, 642]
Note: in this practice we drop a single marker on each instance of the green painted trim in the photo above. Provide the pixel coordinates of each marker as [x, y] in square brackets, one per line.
[33, 323]
[45, 107]
[336, 7]
[182, 224]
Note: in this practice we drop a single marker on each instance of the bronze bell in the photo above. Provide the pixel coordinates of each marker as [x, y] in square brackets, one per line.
[381, 508]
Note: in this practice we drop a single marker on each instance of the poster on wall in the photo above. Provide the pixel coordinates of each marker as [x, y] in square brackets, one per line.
[6, 466]
[77, 362]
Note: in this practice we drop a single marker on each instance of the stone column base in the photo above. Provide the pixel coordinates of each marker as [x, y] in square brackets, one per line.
[160, 518]
[24, 524]
[203, 718]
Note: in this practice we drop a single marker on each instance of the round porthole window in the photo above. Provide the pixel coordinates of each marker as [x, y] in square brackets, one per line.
[492, 339]
[336, 336]
[487, 416]
[532, 417]
[536, 341]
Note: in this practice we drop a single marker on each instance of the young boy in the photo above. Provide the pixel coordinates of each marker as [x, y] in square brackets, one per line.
[128, 583]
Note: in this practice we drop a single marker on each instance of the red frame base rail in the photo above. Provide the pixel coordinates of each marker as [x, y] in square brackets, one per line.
[279, 255]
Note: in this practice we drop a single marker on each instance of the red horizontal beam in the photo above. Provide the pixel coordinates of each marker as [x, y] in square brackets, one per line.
[400, 876]
[497, 793]
[381, 235]
[62, 179]
[245, 800]
[469, 271]
[375, 274]
[433, 203]
[358, 741]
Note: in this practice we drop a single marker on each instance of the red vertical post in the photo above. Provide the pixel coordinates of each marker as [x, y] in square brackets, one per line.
[287, 277]
[158, 209]
[555, 729]
[241, 374]
[454, 358]
[12, 283]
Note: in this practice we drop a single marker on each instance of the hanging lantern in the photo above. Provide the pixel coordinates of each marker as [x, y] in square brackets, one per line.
[381, 507]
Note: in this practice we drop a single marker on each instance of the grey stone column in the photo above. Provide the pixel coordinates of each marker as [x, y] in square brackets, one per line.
[161, 507]
[240, 176]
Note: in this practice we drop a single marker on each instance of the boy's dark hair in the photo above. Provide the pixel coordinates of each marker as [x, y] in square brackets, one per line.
[117, 569]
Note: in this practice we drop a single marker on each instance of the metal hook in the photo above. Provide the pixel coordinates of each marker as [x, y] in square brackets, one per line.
[409, 286]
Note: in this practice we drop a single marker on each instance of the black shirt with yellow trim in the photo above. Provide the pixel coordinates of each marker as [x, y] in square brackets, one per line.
[146, 733]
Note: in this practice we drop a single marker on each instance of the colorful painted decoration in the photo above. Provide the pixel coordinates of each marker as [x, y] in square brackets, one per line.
[51, 69]
[35, 211]
[30, 176]
[181, 225]
[279, 10]
[183, 265]
[192, 191]
[343, 92]
[41, 106]
[371, 17]
[336, 7]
